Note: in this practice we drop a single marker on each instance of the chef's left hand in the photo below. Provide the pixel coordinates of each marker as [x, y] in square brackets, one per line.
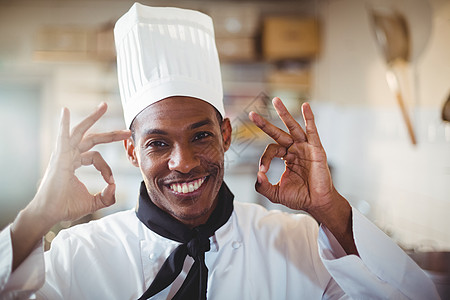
[306, 182]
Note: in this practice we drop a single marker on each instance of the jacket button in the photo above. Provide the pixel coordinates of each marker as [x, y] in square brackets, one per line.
[236, 244]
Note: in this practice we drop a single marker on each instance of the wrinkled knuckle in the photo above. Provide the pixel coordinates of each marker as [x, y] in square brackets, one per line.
[271, 147]
[282, 151]
[93, 139]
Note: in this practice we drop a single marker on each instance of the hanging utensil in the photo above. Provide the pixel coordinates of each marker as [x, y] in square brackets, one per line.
[446, 110]
[392, 36]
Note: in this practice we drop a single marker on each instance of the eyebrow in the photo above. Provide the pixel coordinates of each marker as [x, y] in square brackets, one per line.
[200, 124]
[191, 127]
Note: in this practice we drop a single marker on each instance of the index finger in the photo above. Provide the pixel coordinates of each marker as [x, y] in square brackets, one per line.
[103, 138]
[271, 130]
[79, 130]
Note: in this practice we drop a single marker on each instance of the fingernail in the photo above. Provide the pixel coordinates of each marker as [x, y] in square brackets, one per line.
[111, 179]
[262, 168]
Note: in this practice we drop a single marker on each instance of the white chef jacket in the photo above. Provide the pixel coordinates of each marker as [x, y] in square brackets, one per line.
[257, 254]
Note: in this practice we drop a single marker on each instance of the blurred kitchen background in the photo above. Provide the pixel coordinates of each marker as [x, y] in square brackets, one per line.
[333, 53]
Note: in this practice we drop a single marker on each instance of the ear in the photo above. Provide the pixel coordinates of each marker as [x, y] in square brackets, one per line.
[226, 133]
[131, 151]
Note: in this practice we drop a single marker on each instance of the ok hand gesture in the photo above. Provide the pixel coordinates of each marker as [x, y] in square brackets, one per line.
[306, 182]
[61, 195]
[66, 197]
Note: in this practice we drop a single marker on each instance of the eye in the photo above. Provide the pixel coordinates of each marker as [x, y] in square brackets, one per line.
[201, 135]
[155, 144]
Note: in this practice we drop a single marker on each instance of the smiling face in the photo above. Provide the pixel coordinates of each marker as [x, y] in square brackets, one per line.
[179, 146]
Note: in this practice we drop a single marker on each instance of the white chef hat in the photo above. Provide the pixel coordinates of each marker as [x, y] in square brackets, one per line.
[164, 52]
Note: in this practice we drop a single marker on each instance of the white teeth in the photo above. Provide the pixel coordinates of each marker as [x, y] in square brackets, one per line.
[187, 187]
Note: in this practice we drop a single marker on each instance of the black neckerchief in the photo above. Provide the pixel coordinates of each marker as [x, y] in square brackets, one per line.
[195, 242]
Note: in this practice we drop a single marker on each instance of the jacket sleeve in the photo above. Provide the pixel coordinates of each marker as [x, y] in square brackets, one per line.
[27, 278]
[383, 270]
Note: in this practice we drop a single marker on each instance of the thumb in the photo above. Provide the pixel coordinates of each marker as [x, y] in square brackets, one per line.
[265, 188]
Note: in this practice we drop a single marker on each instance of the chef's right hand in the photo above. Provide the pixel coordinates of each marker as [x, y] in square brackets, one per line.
[61, 195]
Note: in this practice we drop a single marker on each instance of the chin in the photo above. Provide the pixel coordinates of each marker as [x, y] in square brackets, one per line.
[193, 213]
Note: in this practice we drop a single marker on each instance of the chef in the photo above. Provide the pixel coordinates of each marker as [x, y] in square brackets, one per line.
[188, 238]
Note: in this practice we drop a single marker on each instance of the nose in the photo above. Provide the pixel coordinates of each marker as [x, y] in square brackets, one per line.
[183, 159]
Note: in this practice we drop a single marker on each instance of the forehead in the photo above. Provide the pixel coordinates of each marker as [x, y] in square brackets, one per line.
[174, 112]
